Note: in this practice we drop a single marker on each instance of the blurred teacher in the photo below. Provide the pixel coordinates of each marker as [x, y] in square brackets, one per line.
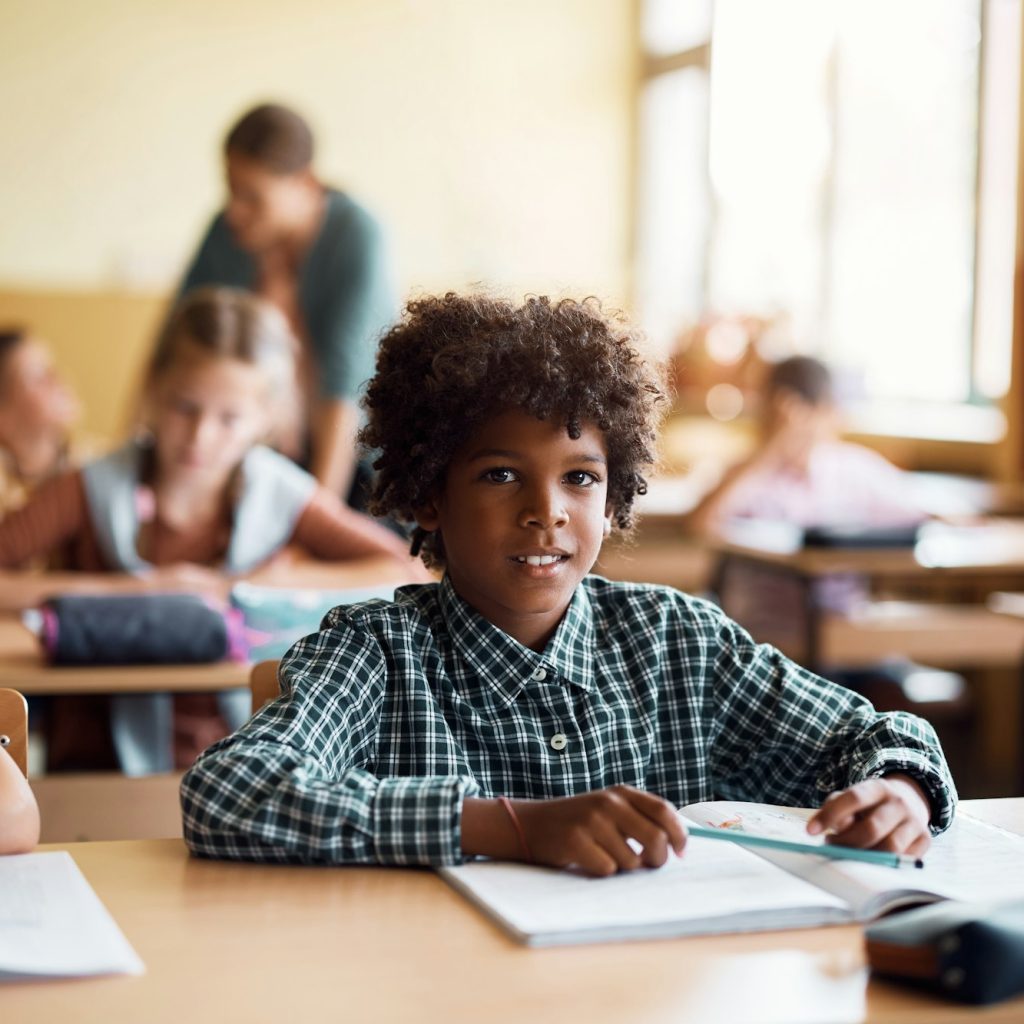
[320, 258]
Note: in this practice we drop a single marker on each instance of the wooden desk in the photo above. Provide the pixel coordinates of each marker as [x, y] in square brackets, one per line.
[109, 805]
[22, 666]
[957, 636]
[225, 942]
[971, 561]
[992, 547]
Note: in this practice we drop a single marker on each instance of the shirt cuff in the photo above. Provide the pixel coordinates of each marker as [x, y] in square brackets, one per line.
[934, 780]
[418, 820]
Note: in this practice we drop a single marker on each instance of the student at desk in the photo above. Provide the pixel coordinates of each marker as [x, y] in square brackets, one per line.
[522, 709]
[37, 410]
[801, 473]
[199, 502]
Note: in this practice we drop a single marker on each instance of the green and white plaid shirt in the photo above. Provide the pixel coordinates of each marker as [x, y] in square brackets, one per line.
[395, 712]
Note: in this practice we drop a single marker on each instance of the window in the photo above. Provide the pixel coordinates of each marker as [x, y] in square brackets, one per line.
[847, 169]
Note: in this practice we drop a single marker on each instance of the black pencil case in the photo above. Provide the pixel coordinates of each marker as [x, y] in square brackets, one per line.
[861, 536]
[971, 952]
[144, 629]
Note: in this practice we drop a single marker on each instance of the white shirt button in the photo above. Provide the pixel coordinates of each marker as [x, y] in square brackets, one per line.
[558, 741]
[538, 674]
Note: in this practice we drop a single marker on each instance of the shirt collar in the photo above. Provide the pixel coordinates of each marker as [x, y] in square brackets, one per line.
[507, 665]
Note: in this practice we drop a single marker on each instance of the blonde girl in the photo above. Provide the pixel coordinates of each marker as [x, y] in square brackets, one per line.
[195, 502]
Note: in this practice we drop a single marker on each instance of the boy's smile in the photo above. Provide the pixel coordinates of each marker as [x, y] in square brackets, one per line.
[522, 516]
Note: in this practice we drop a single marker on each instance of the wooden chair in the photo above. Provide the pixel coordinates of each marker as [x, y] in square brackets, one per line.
[14, 727]
[263, 683]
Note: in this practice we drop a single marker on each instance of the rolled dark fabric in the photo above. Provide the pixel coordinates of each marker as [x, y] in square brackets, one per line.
[143, 629]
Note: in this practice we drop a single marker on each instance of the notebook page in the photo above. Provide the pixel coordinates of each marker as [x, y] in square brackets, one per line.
[952, 864]
[53, 923]
[714, 887]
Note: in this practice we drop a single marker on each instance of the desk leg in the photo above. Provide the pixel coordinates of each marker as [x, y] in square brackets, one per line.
[1000, 729]
[812, 623]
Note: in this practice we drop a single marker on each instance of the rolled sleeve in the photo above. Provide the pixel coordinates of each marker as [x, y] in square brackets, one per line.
[418, 821]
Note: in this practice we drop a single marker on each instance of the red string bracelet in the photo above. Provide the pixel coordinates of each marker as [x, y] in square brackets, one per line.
[510, 810]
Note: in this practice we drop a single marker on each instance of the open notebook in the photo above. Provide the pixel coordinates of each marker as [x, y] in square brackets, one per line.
[722, 887]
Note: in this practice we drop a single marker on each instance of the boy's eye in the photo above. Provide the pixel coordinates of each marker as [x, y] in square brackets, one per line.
[499, 475]
[581, 478]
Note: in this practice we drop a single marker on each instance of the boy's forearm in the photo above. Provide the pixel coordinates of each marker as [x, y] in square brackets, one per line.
[487, 830]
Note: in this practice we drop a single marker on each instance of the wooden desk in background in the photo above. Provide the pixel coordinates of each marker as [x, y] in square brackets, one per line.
[976, 559]
[226, 941]
[22, 666]
[98, 805]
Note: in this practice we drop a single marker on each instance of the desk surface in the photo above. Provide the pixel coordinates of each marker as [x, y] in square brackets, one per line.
[227, 942]
[995, 546]
[22, 666]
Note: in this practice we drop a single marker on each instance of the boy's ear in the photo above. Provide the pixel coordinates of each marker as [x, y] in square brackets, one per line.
[427, 517]
[608, 513]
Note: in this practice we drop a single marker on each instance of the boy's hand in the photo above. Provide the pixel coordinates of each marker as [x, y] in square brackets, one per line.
[589, 831]
[889, 814]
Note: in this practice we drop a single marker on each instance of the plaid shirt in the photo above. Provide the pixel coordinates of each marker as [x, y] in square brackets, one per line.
[395, 712]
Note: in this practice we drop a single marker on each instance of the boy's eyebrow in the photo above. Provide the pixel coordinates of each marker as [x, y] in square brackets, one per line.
[504, 453]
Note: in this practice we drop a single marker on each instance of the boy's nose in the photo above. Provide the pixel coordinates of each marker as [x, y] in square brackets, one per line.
[543, 510]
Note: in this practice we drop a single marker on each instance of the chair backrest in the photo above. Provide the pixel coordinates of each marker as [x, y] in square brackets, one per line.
[14, 727]
[263, 683]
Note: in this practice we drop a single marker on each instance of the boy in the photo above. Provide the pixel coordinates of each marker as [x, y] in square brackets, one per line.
[515, 438]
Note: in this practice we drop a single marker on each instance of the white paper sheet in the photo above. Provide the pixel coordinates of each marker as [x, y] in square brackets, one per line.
[714, 887]
[53, 924]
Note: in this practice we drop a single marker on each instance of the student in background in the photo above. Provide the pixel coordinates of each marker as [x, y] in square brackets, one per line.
[522, 709]
[320, 257]
[200, 501]
[801, 473]
[19, 814]
[37, 411]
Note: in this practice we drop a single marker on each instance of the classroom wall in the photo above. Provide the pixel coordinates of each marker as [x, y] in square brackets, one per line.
[492, 137]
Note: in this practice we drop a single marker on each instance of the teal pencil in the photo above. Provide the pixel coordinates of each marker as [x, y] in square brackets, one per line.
[888, 860]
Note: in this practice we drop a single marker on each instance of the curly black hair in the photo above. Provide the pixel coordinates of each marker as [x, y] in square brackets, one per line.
[453, 362]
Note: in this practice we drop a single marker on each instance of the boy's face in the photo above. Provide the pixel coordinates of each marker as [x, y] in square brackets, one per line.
[522, 492]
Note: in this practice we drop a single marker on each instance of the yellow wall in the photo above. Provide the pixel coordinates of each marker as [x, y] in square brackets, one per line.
[490, 136]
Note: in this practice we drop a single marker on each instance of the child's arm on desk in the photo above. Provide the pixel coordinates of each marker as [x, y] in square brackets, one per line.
[589, 830]
[19, 815]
